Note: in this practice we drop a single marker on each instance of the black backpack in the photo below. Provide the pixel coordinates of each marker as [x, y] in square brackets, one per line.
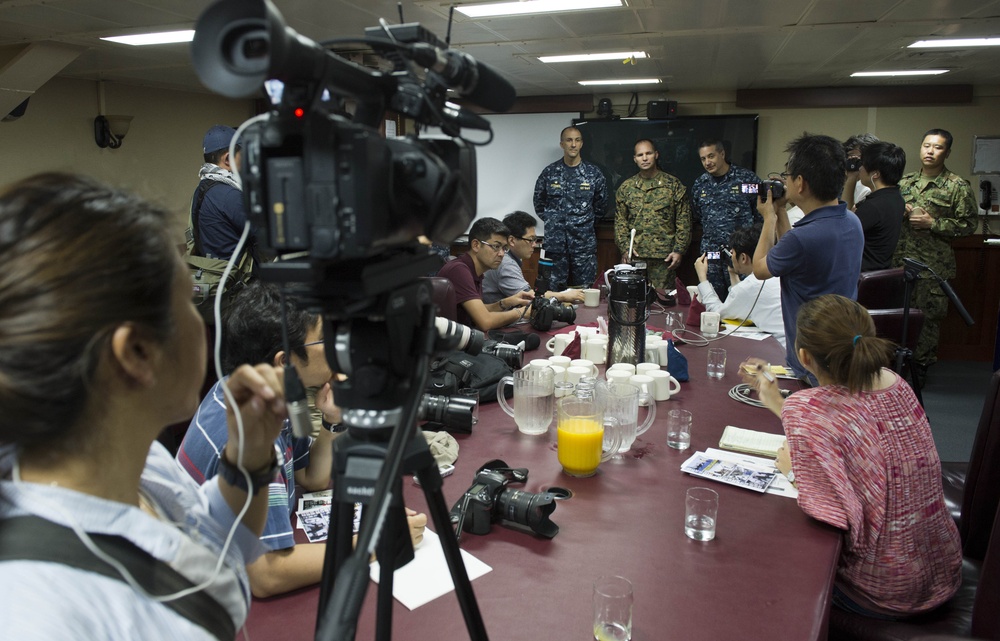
[459, 370]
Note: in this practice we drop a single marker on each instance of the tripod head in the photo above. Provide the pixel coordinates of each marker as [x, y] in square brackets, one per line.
[911, 272]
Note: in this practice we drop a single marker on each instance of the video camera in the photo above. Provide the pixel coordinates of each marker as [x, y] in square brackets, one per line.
[777, 189]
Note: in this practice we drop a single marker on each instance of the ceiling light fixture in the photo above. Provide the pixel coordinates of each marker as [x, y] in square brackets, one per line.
[623, 81]
[910, 72]
[161, 38]
[956, 42]
[588, 57]
[527, 7]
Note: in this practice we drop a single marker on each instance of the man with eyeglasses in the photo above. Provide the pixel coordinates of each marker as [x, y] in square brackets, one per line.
[821, 254]
[508, 279]
[252, 333]
[488, 244]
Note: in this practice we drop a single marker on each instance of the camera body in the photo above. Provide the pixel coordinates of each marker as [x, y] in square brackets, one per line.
[777, 189]
[724, 255]
[853, 164]
[489, 500]
[545, 311]
[511, 355]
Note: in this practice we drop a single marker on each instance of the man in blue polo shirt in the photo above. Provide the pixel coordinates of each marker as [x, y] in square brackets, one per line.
[821, 254]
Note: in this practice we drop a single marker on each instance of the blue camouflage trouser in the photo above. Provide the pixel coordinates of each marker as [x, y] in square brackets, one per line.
[572, 270]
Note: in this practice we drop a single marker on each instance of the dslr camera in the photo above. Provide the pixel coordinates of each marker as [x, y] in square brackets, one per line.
[511, 355]
[853, 164]
[777, 189]
[725, 256]
[488, 500]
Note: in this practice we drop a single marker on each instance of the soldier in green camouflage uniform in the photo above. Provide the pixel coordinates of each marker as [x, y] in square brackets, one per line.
[657, 206]
[940, 206]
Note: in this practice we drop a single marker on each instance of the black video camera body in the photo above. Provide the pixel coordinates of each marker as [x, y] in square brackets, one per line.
[488, 500]
[777, 189]
[544, 310]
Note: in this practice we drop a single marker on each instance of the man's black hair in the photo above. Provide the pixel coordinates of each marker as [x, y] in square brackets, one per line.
[859, 141]
[944, 133]
[518, 223]
[821, 161]
[252, 327]
[887, 159]
[744, 240]
[715, 143]
[483, 228]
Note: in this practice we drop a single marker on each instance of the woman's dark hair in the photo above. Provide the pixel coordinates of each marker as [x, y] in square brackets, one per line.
[840, 335]
[78, 259]
[252, 328]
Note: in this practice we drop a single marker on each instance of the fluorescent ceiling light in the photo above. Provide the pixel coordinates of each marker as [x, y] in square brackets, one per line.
[533, 6]
[911, 72]
[162, 38]
[956, 42]
[586, 57]
[626, 81]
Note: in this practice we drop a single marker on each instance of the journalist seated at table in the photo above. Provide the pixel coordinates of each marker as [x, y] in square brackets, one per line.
[750, 298]
[488, 244]
[101, 347]
[860, 451]
[252, 333]
[508, 279]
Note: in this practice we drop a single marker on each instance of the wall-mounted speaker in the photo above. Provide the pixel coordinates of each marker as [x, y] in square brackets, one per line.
[661, 109]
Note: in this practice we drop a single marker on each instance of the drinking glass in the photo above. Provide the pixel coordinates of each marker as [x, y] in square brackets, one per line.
[679, 429]
[612, 609]
[716, 362]
[701, 508]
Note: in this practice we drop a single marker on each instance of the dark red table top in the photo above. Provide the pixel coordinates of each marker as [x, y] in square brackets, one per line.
[768, 573]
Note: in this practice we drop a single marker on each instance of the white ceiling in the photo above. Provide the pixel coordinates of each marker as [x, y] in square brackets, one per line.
[695, 44]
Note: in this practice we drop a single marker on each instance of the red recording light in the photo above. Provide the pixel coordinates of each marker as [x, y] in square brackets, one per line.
[299, 112]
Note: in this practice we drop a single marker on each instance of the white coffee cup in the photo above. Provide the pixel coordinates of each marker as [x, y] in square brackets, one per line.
[663, 353]
[575, 373]
[596, 349]
[692, 291]
[628, 367]
[583, 362]
[539, 362]
[560, 373]
[560, 360]
[651, 355]
[710, 324]
[619, 375]
[643, 382]
[646, 368]
[591, 297]
[664, 385]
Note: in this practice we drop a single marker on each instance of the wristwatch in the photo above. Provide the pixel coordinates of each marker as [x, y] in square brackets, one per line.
[259, 479]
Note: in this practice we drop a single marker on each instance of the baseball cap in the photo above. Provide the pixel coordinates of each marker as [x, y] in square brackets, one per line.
[218, 137]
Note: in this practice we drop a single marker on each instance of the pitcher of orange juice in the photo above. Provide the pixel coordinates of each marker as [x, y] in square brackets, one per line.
[585, 437]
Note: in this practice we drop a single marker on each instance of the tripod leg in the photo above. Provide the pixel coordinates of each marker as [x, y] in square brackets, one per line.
[430, 481]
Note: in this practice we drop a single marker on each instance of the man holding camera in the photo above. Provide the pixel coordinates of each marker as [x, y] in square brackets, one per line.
[656, 206]
[488, 244]
[855, 189]
[758, 301]
[881, 213]
[939, 206]
[508, 279]
[719, 204]
[821, 254]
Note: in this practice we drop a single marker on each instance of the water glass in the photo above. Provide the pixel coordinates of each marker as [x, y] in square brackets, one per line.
[612, 609]
[701, 508]
[679, 429]
[716, 362]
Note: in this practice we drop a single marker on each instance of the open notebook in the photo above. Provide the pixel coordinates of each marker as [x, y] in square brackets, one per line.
[751, 441]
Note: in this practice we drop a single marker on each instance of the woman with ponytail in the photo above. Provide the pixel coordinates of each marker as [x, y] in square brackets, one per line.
[860, 451]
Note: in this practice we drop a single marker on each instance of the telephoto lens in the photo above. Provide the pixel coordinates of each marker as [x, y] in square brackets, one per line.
[511, 355]
[456, 412]
[525, 508]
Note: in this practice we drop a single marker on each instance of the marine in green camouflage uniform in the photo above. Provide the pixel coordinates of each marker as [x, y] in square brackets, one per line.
[940, 207]
[656, 204]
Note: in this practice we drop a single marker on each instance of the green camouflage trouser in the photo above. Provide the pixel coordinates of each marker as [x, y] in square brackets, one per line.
[928, 297]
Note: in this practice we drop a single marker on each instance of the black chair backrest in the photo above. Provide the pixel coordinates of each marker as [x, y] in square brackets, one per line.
[982, 483]
[443, 294]
[986, 610]
[881, 288]
[889, 325]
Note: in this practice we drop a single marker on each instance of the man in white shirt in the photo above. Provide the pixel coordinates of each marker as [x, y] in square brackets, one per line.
[750, 298]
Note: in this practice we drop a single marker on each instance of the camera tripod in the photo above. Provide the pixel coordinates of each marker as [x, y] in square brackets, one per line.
[904, 355]
[384, 345]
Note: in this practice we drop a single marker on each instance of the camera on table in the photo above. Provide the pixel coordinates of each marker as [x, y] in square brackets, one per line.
[489, 501]
[753, 189]
[456, 412]
[511, 355]
[545, 311]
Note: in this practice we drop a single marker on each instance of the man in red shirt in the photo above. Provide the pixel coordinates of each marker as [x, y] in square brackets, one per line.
[487, 246]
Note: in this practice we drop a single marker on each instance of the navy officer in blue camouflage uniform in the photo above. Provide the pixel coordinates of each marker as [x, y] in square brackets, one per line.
[720, 206]
[567, 193]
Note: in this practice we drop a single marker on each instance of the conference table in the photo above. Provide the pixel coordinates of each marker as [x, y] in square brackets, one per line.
[767, 575]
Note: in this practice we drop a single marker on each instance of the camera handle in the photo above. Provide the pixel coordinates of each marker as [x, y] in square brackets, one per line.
[369, 462]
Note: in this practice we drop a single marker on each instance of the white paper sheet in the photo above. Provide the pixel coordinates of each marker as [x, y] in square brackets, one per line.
[426, 577]
[779, 486]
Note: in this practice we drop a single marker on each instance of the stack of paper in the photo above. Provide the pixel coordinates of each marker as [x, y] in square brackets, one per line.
[751, 441]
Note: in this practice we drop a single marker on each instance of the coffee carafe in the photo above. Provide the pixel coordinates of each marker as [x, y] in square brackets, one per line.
[628, 310]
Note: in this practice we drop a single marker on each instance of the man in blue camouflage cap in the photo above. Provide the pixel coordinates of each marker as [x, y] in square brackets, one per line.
[718, 203]
[217, 205]
[568, 192]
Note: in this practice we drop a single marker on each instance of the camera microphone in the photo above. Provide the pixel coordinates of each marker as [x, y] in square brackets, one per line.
[465, 119]
[477, 81]
[296, 402]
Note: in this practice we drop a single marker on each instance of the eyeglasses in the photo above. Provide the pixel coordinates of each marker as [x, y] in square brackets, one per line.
[781, 176]
[319, 342]
[498, 248]
[533, 241]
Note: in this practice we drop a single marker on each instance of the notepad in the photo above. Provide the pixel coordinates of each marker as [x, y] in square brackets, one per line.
[751, 441]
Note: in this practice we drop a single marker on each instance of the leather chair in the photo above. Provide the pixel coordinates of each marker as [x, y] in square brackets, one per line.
[972, 489]
[881, 288]
[889, 325]
[974, 610]
[443, 294]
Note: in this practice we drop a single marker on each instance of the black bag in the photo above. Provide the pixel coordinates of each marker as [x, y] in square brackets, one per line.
[459, 370]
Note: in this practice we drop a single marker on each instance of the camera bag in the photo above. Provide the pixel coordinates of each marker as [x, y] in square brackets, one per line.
[459, 370]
